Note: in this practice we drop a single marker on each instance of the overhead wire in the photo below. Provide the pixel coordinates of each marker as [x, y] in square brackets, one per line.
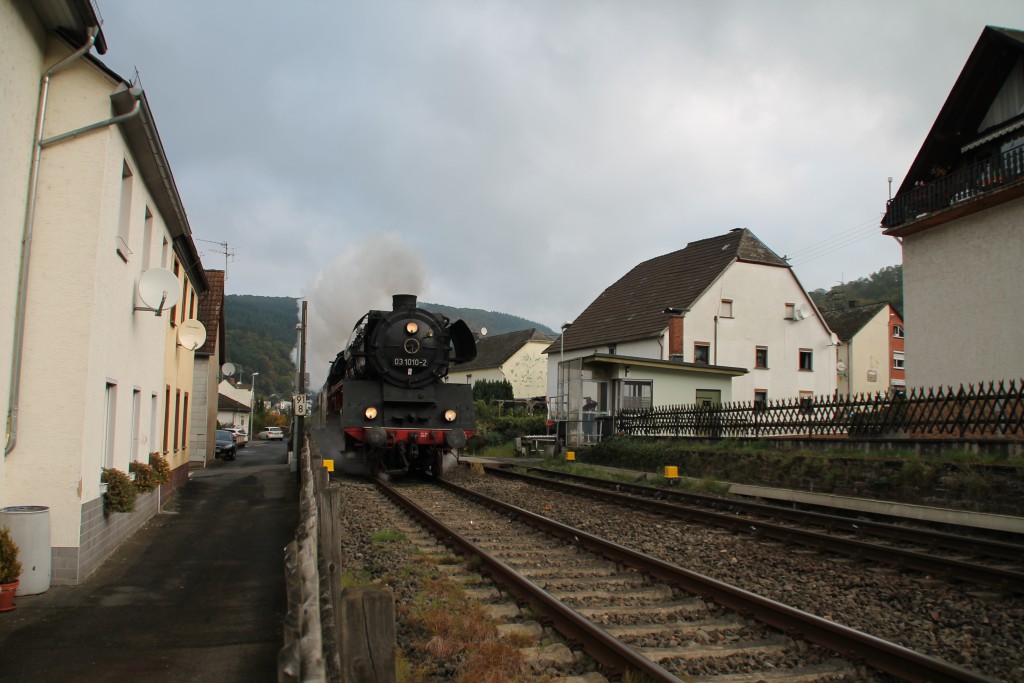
[835, 243]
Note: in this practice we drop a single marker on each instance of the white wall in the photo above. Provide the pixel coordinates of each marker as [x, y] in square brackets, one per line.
[759, 294]
[81, 332]
[870, 352]
[21, 53]
[962, 285]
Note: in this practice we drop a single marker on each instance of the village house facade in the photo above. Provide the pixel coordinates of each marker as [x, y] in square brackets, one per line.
[515, 357]
[724, 319]
[959, 215]
[870, 356]
[93, 206]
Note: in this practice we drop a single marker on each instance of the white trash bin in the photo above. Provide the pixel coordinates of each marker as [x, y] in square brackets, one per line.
[30, 529]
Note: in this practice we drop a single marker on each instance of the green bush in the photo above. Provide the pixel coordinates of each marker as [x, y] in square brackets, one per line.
[161, 468]
[121, 491]
[145, 476]
[10, 566]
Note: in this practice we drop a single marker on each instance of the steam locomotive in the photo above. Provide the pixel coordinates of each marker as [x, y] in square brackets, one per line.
[385, 395]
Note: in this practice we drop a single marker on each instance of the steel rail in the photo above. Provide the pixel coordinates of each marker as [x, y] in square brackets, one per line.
[1004, 579]
[1013, 552]
[604, 648]
[854, 645]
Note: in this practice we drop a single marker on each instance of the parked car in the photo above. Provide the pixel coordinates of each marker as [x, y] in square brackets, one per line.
[226, 448]
[241, 436]
[271, 433]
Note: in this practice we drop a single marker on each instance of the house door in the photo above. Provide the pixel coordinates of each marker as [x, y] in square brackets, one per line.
[709, 397]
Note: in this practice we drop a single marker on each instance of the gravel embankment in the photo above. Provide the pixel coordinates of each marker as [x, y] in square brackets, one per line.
[971, 627]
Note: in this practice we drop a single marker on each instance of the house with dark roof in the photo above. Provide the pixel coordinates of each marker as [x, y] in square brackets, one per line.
[232, 413]
[870, 354]
[205, 372]
[516, 357]
[959, 215]
[724, 319]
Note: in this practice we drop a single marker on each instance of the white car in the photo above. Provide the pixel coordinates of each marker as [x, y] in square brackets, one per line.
[271, 433]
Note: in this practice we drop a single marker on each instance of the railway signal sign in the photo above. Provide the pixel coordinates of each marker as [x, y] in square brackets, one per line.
[301, 407]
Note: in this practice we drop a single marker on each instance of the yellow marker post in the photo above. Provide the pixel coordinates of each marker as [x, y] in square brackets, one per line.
[329, 464]
[570, 456]
[671, 472]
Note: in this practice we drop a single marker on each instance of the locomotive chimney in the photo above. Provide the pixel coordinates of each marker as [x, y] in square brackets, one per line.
[403, 301]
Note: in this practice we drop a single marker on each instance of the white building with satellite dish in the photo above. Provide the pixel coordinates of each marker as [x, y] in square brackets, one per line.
[99, 289]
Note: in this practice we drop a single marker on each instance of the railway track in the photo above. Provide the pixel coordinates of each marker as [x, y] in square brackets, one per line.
[975, 560]
[633, 612]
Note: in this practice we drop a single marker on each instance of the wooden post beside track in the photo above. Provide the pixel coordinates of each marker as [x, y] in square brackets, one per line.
[367, 621]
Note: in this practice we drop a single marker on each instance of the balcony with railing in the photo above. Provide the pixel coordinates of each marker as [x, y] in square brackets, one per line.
[957, 188]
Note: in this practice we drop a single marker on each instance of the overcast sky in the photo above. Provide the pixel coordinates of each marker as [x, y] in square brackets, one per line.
[521, 156]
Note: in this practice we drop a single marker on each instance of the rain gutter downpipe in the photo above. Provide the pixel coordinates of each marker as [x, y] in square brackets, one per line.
[30, 210]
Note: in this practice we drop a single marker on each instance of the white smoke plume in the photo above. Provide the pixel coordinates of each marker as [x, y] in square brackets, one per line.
[362, 278]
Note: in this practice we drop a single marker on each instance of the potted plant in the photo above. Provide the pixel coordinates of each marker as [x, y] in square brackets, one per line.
[10, 570]
[161, 468]
[145, 476]
[120, 495]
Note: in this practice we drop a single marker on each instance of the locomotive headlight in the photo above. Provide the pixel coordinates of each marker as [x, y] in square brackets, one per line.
[411, 327]
[450, 415]
[370, 413]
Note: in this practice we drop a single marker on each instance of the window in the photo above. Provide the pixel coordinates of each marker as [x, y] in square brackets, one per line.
[167, 415]
[124, 219]
[790, 312]
[636, 395]
[760, 399]
[177, 417]
[184, 423]
[136, 418]
[192, 305]
[726, 310]
[174, 309]
[806, 402]
[701, 352]
[899, 360]
[613, 349]
[897, 331]
[163, 254]
[147, 238]
[761, 357]
[706, 398]
[806, 359]
[109, 424]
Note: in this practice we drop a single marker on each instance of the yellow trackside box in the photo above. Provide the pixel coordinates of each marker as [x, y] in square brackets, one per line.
[671, 472]
[329, 464]
[570, 456]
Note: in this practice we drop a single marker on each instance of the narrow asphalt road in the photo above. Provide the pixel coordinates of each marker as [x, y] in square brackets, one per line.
[196, 595]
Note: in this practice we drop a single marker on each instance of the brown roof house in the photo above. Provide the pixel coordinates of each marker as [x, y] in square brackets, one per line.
[724, 319]
[869, 355]
[959, 215]
[205, 372]
[516, 357]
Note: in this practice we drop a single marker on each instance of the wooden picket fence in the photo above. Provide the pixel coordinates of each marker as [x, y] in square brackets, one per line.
[992, 411]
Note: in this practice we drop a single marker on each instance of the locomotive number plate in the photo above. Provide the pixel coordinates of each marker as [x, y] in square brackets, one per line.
[411, 362]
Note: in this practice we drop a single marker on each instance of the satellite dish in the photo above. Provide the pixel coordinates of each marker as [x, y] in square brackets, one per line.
[191, 334]
[483, 331]
[159, 289]
[227, 369]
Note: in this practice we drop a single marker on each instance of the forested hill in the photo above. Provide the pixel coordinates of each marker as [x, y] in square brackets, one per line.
[885, 285]
[496, 323]
[260, 338]
[261, 335]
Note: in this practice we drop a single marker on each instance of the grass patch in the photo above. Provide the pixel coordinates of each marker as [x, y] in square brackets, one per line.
[452, 627]
[387, 536]
[504, 450]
